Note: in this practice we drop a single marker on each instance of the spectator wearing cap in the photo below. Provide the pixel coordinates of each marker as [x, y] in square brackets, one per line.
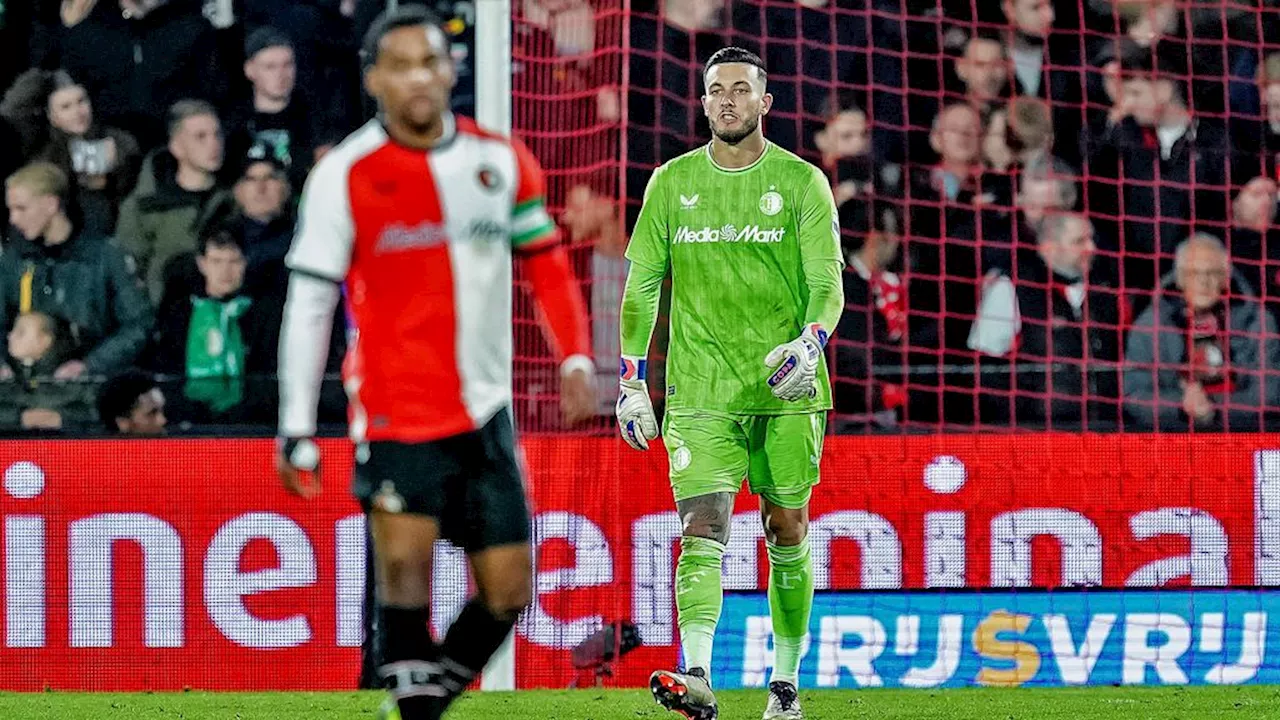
[262, 219]
[132, 404]
[84, 279]
[103, 160]
[136, 58]
[1203, 354]
[275, 116]
[176, 195]
[1158, 167]
[1058, 325]
[218, 339]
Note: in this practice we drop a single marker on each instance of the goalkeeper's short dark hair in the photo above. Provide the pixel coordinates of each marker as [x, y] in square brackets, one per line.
[734, 54]
[390, 20]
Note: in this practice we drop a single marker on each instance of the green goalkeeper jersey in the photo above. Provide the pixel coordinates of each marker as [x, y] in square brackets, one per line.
[754, 257]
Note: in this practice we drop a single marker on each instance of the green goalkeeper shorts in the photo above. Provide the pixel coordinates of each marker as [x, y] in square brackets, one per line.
[711, 452]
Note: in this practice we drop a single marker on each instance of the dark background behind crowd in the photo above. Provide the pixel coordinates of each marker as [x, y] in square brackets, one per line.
[1055, 214]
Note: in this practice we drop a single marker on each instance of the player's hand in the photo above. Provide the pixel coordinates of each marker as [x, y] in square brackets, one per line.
[636, 420]
[298, 465]
[794, 365]
[577, 391]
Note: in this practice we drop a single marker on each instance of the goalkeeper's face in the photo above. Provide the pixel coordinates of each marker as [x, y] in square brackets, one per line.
[413, 76]
[735, 100]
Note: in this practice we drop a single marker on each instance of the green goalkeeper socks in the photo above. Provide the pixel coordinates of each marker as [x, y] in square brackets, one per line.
[790, 602]
[698, 598]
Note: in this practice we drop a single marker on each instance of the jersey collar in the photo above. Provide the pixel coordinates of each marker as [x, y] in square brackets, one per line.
[448, 133]
[768, 146]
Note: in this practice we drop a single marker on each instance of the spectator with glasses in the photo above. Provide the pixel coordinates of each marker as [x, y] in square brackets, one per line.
[1202, 355]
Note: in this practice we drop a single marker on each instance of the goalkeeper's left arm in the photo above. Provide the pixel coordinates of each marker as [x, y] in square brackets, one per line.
[794, 365]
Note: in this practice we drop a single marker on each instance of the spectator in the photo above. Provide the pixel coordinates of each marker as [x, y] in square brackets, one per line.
[1019, 133]
[1059, 326]
[1254, 239]
[104, 161]
[79, 277]
[138, 57]
[218, 337]
[845, 146]
[593, 221]
[38, 344]
[275, 117]
[984, 70]
[943, 223]
[1203, 354]
[1159, 168]
[872, 333]
[132, 404]
[176, 195]
[1262, 136]
[1046, 69]
[1047, 184]
[262, 219]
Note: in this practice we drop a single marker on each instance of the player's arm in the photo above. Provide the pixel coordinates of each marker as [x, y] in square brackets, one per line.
[648, 252]
[794, 365]
[535, 239]
[318, 261]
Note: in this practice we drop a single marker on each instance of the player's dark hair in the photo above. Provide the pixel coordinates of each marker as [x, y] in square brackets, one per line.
[119, 396]
[735, 54]
[391, 20]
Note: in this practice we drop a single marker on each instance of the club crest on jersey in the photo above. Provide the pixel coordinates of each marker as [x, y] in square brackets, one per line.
[489, 178]
[771, 202]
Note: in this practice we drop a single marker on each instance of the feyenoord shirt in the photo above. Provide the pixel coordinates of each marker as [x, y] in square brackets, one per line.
[422, 241]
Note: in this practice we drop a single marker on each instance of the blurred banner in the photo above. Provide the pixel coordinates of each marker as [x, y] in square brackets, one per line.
[166, 564]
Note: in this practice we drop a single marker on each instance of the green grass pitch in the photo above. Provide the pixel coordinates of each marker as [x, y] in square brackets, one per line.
[1201, 703]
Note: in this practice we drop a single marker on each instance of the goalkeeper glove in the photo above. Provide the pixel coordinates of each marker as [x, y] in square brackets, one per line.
[636, 420]
[794, 365]
[295, 459]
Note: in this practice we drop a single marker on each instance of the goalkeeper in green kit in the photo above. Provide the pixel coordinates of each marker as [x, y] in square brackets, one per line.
[750, 237]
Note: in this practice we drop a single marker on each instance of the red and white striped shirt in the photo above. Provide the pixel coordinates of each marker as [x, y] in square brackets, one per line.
[423, 241]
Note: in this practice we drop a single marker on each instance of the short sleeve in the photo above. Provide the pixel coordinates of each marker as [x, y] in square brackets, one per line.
[325, 235]
[531, 226]
[649, 240]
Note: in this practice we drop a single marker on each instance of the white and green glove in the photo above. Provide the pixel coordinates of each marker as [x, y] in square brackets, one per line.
[794, 365]
[636, 420]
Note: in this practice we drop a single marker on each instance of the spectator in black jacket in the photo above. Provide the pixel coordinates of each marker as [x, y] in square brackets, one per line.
[1042, 65]
[103, 160]
[1059, 326]
[137, 58]
[84, 279]
[275, 116]
[1204, 354]
[1159, 168]
[218, 338]
[262, 220]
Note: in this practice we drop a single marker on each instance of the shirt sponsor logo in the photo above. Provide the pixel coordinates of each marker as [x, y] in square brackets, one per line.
[487, 231]
[397, 238]
[728, 234]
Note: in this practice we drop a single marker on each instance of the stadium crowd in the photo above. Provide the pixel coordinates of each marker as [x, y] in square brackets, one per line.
[1055, 214]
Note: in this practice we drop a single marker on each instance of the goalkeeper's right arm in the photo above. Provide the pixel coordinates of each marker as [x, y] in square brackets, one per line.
[648, 253]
